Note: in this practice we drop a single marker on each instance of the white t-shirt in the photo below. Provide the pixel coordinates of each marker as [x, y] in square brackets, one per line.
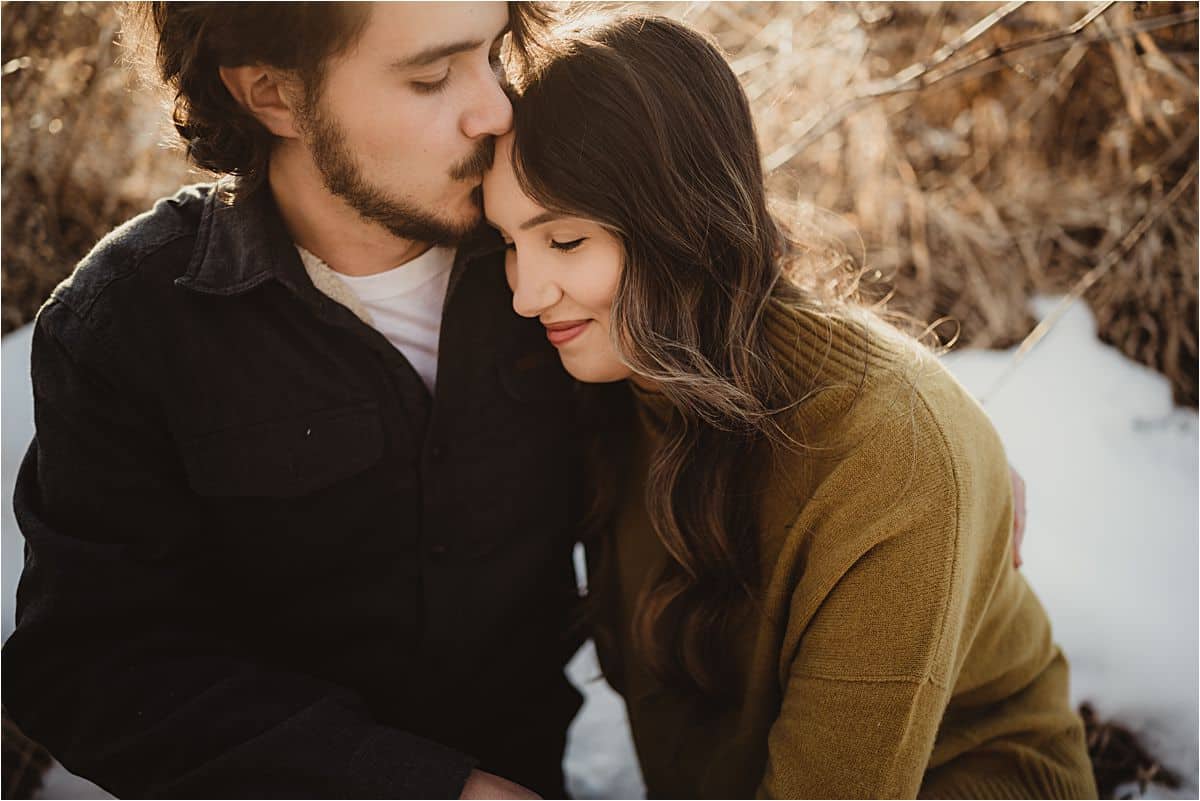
[404, 303]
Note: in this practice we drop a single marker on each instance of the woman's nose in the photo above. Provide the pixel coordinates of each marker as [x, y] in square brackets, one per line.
[532, 292]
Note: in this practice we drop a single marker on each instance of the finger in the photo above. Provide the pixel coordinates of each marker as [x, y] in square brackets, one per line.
[1018, 487]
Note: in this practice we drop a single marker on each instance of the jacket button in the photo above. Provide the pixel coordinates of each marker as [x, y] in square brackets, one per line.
[437, 549]
[437, 451]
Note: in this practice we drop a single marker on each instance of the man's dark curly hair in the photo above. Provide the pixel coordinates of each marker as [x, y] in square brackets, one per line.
[192, 40]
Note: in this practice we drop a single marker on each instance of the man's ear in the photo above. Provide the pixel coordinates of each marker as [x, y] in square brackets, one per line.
[265, 93]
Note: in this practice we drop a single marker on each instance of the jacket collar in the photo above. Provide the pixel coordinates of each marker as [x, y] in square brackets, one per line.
[480, 244]
[242, 243]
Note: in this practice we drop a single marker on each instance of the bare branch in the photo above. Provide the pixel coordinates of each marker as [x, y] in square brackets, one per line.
[922, 77]
[946, 51]
[1092, 276]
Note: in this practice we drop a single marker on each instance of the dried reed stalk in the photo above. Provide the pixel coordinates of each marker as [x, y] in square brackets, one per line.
[82, 148]
[976, 153]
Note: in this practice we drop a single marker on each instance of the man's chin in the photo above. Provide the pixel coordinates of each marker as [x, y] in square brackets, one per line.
[476, 197]
[469, 219]
[436, 230]
[466, 223]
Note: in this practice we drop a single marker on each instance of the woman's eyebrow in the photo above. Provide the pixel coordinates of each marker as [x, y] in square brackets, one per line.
[544, 217]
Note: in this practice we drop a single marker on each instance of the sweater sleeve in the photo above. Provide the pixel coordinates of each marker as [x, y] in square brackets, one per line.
[901, 541]
[860, 709]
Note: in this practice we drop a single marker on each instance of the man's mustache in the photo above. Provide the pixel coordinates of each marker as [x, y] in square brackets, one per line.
[479, 162]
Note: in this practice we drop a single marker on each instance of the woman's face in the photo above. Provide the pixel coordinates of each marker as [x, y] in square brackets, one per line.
[562, 270]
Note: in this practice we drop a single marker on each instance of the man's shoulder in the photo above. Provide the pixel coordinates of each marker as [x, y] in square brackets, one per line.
[157, 243]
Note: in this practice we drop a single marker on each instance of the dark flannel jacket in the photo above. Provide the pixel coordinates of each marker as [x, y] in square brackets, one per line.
[261, 560]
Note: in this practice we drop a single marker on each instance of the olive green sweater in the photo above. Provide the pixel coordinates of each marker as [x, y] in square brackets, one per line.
[898, 652]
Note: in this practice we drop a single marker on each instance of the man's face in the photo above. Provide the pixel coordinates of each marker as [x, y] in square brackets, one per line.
[405, 122]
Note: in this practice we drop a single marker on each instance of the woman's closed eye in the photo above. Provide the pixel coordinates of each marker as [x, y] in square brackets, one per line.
[567, 247]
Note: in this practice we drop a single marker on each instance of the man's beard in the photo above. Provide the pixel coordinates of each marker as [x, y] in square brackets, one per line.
[403, 218]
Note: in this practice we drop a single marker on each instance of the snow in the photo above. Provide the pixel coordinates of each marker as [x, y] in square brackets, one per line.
[16, 410]
[1111, 544]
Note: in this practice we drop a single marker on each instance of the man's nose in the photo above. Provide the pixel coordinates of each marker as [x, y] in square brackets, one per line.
[491, 113]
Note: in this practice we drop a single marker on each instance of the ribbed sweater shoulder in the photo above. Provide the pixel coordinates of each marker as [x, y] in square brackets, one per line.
[893, 650]
[893, 462]
[885, 547]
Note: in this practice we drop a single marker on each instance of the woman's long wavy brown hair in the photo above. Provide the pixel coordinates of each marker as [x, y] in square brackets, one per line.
[638, 122]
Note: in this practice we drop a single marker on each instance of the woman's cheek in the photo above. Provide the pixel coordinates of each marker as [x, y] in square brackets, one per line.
[605, 275]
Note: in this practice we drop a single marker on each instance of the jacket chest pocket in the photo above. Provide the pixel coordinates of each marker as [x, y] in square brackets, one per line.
[285, 458]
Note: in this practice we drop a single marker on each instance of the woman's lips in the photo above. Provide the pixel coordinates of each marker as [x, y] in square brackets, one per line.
[562, 333]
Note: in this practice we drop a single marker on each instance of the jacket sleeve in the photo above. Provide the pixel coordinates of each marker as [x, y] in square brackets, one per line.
[117, 665]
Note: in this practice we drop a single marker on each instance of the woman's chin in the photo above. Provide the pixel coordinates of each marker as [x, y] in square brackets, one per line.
[595, 371]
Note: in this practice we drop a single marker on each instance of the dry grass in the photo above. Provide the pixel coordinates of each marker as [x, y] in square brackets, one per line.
[969, 154]
[977, 153]
[82, 145]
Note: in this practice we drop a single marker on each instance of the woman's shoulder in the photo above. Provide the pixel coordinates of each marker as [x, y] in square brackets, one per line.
[887, 446]
[855, 381]
[896, 466]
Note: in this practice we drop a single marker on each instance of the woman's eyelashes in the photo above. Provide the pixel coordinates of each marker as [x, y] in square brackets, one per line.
[565, 247]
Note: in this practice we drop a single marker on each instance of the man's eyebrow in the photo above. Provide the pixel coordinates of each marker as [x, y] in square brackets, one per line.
[434, 53]
[544, 217]
[438, 52]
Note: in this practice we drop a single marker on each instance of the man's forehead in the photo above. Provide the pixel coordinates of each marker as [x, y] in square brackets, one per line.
[405, 30]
